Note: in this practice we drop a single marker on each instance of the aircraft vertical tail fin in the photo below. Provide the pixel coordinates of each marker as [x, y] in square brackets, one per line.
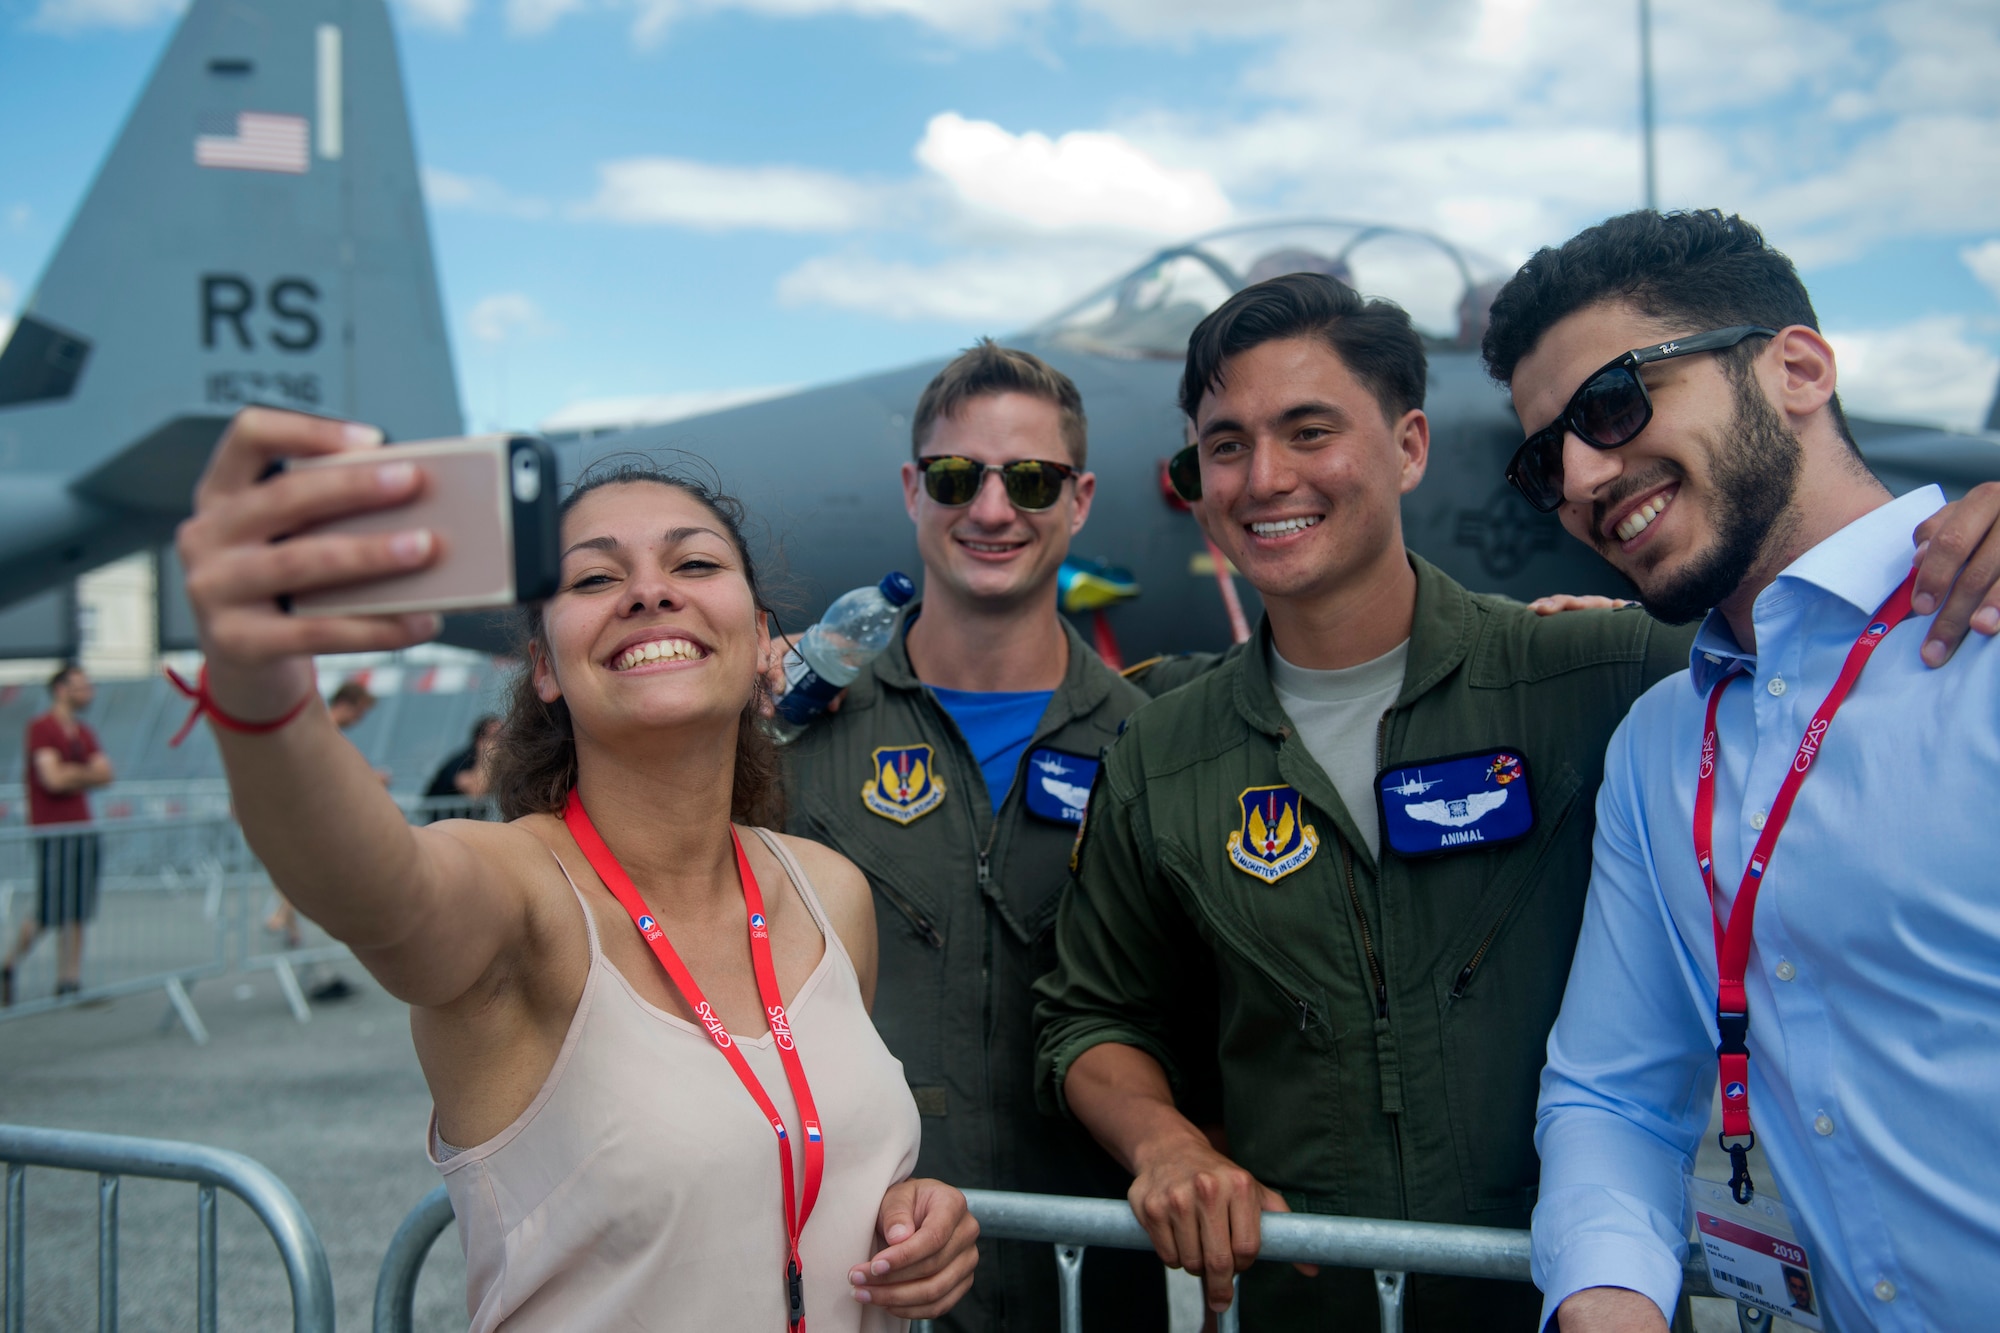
[255, 235]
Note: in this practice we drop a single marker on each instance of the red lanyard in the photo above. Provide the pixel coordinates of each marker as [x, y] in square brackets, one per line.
[614, 877]
[1732, 943]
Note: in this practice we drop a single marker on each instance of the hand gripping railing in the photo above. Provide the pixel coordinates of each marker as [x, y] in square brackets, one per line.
[1071, 1225]
[114, 1156]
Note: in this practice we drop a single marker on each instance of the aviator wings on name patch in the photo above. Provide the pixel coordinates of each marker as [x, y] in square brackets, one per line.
[1455, 803]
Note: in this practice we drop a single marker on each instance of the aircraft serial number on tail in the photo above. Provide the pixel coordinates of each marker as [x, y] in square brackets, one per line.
[237, 388]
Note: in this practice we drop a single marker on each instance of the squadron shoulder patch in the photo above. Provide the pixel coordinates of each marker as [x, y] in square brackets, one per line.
[1455, 803]
[903, 787]
[1274, 839]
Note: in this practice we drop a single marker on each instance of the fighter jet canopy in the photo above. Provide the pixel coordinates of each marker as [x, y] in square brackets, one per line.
[1149, 313]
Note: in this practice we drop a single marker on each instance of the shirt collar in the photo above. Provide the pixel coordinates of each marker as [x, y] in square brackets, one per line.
[1440, 637]
[1861, 565]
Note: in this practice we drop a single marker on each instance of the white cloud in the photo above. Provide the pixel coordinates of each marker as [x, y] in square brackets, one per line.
[506, 316]
[589, 415]
[8, 295]
[976, 20]
[477, 194]
[74, 15]
[443, 15]
[530, 17]
[998, 290]
[1927, 371]
[19, 215]
[1984, 261]
[677, 192]
[1083, 180]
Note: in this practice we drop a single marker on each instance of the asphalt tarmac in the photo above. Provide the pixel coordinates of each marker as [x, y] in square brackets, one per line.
[336, 1108]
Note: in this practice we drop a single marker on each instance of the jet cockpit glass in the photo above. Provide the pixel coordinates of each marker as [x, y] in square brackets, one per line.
[1150, 312]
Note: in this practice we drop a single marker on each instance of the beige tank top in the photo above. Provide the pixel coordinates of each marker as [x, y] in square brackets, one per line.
[640, 1189]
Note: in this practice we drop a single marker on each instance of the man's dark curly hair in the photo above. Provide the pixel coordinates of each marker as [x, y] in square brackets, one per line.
[1373, 339]
[1698, 269]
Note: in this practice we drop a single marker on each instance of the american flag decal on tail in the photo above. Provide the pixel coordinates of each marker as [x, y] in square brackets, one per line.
[255, 141]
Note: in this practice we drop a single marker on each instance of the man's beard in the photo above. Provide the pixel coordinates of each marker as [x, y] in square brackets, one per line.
[1753, 473]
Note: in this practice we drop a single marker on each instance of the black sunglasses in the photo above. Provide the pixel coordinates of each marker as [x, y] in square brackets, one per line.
[1607, 410]
[1184, 472]
[1031, 483]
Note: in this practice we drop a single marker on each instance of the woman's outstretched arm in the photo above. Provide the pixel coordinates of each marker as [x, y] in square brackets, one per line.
[426, 910]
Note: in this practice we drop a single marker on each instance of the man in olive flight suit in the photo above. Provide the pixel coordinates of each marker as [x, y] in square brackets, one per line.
[955, 774]
[1341, 874]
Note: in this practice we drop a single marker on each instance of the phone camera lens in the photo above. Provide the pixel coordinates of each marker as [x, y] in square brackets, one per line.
[527, 477]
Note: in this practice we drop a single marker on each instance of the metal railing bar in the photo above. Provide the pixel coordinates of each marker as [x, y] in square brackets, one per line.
[268, 1197]
[1069, 1278]
[107, 1253]
[15, 1318]
[112, 990]
[396, 1285]
[204, 1259]
[1389, 1299]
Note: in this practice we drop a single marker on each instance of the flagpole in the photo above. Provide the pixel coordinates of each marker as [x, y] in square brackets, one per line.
[1646, 102]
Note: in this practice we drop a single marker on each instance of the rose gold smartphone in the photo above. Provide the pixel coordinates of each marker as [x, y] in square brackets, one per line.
[490, 501]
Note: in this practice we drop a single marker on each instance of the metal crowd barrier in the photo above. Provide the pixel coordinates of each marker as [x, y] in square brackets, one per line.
[114, 1156]
[1392, 1249]
[180, 899]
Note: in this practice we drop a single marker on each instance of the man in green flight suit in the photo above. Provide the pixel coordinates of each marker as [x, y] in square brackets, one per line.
[1337, 880]
[955, 774]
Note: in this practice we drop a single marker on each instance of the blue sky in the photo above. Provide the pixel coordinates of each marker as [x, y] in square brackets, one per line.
[666, 197]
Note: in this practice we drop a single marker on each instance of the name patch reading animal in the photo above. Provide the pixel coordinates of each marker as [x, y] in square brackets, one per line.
[1058, 787]
[902, 786]
[1274, 838]
[1455, 803]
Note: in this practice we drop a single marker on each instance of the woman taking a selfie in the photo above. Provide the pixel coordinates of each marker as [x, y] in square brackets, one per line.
[660, 1102]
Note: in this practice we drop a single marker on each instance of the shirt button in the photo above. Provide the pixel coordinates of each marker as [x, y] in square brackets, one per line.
[1785, 969]
[1757, 820]
[1777, 685]
[1885, 1290]
[1823, 1125]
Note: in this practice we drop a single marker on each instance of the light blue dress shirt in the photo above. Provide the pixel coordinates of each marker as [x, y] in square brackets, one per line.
[1874, 978]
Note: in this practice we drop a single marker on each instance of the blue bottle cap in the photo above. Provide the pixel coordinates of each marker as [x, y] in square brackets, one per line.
[897, 589]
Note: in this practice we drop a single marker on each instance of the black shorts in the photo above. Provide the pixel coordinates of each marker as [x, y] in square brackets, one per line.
[67, 867]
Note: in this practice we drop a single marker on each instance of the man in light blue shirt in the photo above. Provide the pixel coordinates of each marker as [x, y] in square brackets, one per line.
[1729, 480]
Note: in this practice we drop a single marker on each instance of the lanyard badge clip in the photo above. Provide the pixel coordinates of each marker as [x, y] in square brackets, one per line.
[1732, 1055]
[795, 1292]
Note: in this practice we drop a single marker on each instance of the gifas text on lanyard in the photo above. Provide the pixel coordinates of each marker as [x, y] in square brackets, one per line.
[614, 877]
[1732, 942]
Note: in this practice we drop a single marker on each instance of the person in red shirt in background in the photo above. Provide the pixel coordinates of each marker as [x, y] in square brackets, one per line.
[64, 762]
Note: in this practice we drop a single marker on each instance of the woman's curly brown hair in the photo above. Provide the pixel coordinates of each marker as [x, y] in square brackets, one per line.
[534, 761]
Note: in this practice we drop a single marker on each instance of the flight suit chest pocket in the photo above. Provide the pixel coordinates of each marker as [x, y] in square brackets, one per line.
[1268, 990]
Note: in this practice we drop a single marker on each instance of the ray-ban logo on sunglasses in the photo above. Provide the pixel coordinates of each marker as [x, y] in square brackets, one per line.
[1666, 348]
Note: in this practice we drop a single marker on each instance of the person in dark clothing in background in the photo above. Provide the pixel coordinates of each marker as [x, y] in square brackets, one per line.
[464, 774]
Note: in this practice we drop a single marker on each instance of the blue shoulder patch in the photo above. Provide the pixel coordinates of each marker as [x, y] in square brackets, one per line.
[1058, 785]
[1455, 803]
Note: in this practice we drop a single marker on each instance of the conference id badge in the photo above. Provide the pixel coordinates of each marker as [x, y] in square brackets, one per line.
[1752, 1254]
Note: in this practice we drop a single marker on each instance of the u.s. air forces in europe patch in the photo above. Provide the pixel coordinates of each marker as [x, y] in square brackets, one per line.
[1274, 839]
[903, 786]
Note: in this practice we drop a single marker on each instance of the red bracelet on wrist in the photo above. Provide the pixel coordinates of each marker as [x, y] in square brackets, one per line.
[204, 702]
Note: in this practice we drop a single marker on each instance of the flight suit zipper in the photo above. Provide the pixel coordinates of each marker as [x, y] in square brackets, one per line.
[1388, 1061]
[1367, 939]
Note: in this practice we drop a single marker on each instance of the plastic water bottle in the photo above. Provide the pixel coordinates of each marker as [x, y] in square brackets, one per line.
[831, 654]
